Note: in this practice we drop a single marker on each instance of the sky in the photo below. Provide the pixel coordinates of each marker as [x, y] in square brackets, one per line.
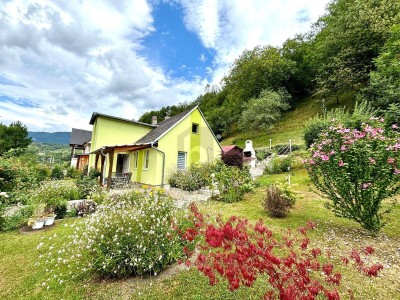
[60, 61]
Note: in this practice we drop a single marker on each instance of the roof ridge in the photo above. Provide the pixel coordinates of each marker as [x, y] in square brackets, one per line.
[163, 127]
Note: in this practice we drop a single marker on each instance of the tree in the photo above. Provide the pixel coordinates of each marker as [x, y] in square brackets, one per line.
[256, 70]
[347, 40]
[263, 112]
[298, 50]
[14, 136]
[385, 81]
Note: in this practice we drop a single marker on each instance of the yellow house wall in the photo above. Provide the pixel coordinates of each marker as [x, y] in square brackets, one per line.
[151, 176]
[107, 131]
[201, 147]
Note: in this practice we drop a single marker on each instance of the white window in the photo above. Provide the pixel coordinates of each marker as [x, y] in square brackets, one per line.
[181, 165]
[135, 159]
[146, 159]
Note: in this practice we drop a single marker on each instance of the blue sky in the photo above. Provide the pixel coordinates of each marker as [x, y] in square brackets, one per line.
[62, 60]
[173, 47]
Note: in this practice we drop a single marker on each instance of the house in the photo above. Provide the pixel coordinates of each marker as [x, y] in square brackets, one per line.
[80, 147]
[150, 153]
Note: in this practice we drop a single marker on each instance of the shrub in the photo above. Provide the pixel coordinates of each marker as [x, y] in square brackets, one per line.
[362, 112]
[3, 205]
[279, 165]
[86, 208]
[57, 172]
[93, 173]
[55, 195]
[357, 169]
[18, 176]
[18, 219]
[240, 252]
[233, 158]
[73, 172]
[278, 200]
[263, 154]
[392, 116]
[71, 213]
[196, 177]
[133, 234]
[42, 172]
[233, 183]
[313, 128]
[87, 186]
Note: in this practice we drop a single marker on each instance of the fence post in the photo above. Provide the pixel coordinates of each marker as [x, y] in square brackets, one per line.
[270, 144]
[290, 146]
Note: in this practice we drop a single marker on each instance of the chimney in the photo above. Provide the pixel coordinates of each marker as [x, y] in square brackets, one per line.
[154, 120]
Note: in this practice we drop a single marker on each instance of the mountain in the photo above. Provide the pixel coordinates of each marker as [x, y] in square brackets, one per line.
[50, 137]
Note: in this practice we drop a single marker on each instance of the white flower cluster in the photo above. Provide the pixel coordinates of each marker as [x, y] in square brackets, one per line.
[132, 234]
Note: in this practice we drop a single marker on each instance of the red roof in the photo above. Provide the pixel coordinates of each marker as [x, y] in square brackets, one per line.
[226, 149]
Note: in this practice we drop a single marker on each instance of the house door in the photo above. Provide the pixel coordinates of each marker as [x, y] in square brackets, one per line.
[122, 164]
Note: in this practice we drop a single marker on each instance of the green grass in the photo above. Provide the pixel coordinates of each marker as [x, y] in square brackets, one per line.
[21, 279]
[291, 125]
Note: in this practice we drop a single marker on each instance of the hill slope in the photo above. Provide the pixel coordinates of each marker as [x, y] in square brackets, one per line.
[291, 125]
[50, 137]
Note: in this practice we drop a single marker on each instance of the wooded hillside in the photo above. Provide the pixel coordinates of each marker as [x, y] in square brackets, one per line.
[350, 50]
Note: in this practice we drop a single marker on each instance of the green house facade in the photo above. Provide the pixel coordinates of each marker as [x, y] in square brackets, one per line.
[150, 153]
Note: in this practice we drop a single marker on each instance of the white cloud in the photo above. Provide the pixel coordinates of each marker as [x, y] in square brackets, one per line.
[230, 27]
[67, 59]
[62, 60]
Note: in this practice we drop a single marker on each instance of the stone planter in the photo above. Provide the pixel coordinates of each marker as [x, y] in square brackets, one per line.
[49, 220]
[37, 224]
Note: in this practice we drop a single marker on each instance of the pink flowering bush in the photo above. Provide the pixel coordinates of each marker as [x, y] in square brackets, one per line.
[357, 169]
[239, 252]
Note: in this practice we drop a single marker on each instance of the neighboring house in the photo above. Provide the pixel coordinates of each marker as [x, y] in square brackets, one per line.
[149, 153]
[80, 147]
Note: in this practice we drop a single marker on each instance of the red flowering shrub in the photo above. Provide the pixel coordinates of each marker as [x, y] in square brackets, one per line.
[239, 252]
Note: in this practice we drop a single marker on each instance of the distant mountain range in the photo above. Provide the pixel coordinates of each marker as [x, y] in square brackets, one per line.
[50, 137]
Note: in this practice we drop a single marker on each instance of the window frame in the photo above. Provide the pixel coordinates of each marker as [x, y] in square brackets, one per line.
[185, 161]
[146, 160]
[135, 160]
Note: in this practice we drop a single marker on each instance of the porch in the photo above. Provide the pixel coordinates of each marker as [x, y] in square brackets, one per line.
[121, 177]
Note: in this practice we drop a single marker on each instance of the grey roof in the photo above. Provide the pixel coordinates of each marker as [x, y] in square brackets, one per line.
[96, 114]
[80, 136]
[162, 128]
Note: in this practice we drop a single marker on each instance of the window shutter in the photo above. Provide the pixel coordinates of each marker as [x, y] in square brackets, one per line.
[181, 160]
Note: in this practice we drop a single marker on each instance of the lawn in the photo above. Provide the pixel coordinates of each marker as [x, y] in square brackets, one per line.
[21, 279]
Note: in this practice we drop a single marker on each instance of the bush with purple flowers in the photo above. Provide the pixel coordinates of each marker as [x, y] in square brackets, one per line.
[357, 169]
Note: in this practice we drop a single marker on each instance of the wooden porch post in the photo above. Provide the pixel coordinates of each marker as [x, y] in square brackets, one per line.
[110, 167]
[96, 161]
[103, 158]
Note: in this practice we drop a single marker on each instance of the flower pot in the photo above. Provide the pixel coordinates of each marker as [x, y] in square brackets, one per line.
[49, 220]
[37, 224]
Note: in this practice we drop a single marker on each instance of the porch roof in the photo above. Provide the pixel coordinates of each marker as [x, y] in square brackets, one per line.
[120, 148]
